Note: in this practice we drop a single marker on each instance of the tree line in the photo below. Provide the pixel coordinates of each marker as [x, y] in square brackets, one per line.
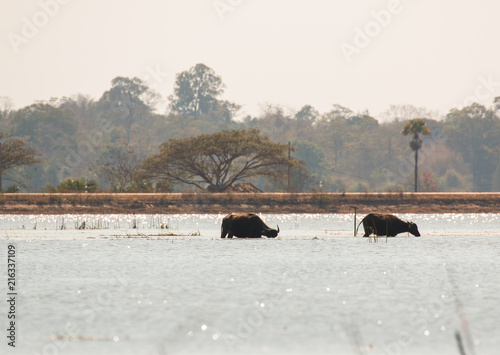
[119, 142]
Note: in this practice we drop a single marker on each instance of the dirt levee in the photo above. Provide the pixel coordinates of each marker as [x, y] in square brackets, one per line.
[102, 203]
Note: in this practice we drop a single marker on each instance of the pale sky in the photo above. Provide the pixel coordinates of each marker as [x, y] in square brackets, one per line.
[365, 55]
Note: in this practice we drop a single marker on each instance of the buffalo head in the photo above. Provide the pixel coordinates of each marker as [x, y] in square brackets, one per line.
[272, 233]
[412, 228]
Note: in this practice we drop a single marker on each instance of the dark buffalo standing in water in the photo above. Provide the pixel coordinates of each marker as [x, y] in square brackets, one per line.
[246, 225]
[387, 224]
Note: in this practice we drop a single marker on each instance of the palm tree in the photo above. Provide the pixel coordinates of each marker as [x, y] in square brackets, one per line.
[416, 126]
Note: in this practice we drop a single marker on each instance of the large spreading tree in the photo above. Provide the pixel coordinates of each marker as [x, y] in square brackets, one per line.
[15, 154]
[116, 167]
[216, 161]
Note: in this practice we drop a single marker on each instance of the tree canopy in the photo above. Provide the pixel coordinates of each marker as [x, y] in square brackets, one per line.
[128, 100]
[415, 126]
[14, 154]
[216, 161]
[48, 128]
[196, 91]
[473, 131]
[116, 167]
[356, 151]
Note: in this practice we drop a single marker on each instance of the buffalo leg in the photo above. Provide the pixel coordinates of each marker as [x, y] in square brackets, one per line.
[368, 230]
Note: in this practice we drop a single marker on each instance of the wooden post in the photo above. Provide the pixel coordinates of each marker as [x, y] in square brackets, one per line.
[460, 345]
[355, 221]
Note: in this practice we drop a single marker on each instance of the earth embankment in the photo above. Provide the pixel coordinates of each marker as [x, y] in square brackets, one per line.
[161, 203]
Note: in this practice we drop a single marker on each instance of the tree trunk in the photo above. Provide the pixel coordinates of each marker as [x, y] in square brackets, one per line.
[416, 170]
[128, 125]
[1, 171]
[289, 167]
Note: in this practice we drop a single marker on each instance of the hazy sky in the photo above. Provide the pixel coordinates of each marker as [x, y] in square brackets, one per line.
[359, 54]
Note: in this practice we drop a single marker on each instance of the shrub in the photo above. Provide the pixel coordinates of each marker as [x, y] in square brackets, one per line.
[74, 185]
[12, 189]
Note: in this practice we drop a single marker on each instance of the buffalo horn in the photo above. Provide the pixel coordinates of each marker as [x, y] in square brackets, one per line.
[278, 228]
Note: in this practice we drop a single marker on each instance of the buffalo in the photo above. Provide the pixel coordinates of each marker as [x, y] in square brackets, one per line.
[246, 225]
[386, 224]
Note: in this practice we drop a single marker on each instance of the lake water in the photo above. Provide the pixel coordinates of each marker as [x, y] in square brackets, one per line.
[172, 286]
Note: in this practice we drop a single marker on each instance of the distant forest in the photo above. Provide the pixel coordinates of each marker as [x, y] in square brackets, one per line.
[337, 151]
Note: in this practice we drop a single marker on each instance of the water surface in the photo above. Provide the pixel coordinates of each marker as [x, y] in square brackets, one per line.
[172, 286]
